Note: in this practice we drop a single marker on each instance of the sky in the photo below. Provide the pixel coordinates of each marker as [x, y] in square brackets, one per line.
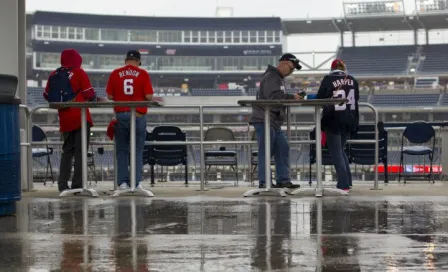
[286, 9]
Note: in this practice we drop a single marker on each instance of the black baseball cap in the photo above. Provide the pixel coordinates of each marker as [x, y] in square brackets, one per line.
[291, 58]
[133, 54]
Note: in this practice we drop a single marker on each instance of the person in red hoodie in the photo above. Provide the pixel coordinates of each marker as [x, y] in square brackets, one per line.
[70, 119]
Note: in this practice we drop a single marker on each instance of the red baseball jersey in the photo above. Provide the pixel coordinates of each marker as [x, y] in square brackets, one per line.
[129, 83]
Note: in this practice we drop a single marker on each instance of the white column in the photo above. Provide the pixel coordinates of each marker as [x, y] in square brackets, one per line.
[9, 42]
[21, 52]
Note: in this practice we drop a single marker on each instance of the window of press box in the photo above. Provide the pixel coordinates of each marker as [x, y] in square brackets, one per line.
[236, 36]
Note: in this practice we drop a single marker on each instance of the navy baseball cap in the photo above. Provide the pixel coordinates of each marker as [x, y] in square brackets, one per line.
[133, 54]
[291, 58]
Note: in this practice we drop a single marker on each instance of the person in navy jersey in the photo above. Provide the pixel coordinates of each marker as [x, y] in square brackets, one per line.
[339, 121]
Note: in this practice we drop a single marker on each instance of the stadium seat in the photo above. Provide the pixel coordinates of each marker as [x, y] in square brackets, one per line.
[408, 100]
[376, 60]
[435, 59]
[364, 154]
[166, 155]
[39, 135]
[418, 133]
[216, 92]
[221, 156]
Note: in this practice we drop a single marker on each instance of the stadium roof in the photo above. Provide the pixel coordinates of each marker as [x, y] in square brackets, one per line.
[366, 23]
[157, 23]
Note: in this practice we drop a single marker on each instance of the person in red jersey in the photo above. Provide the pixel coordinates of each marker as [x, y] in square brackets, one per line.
[71, 76]
[129, 83]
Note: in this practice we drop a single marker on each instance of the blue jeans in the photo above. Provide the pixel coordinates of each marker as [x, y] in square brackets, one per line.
[122, 146]
[280, 151]
[335, 144]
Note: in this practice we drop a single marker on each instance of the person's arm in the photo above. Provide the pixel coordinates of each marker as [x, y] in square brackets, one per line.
[272, 89]
[47, 87]
[110, 89]
[85, 87]
[147, 87]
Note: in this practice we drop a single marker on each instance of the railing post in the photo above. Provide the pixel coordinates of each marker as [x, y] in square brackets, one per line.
[201, 127]
[23, 160]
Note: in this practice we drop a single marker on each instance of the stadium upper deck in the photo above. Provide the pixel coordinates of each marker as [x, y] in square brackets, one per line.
[420, 58]
[174, 47]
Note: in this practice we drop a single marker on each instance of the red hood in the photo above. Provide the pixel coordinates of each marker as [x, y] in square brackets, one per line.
[70, 58]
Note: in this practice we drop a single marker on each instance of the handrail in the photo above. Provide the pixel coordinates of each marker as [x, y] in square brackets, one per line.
[201, 142]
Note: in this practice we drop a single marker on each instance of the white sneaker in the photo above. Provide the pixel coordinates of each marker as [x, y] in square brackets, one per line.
[139, 187]
[124, 186]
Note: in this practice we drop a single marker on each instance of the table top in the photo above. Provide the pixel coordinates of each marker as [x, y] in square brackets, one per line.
[304, 103]
[105, 104]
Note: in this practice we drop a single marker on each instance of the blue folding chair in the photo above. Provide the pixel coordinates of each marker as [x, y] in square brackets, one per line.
[418, 133]
[39, 135]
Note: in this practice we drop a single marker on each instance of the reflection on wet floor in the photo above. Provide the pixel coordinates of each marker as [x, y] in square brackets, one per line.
[331, 234]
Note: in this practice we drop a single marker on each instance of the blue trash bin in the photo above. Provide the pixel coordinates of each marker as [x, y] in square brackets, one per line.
[10, 189]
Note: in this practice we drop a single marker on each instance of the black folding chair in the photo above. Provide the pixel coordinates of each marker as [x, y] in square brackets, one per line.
[39, 135]
[418, 133]
[222, 156]
[364, 154]
[166, 155]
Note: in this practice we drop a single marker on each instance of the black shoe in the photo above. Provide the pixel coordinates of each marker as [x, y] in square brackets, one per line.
[261, 186]
[63, 187]
[287, 185]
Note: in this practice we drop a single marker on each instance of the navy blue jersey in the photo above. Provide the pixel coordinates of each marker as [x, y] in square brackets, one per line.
[344, 117]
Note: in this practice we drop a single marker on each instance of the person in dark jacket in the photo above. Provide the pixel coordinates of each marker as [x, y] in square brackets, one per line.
[339, 121]
[272, 87]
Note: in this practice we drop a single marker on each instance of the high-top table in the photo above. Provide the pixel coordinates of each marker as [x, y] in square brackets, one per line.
[83, 106]
[268, 105]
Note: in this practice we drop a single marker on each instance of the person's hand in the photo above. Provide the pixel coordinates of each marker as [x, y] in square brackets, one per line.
[297, 97]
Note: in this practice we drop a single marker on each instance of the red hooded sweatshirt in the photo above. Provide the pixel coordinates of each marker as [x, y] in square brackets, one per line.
[70, 118]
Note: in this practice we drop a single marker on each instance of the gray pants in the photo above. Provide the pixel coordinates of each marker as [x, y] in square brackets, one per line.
[336, 144]
[72, 148]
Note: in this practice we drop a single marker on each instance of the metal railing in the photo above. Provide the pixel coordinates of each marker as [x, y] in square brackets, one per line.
[201, 143]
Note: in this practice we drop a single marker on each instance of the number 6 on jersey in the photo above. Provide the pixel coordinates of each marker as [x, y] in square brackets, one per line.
[128, 86]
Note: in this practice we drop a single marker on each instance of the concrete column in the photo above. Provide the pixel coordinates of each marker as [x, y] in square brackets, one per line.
[9, 33]
[21, 53]
[13, 45]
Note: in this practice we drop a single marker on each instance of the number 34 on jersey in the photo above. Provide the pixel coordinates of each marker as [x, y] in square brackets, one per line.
[350, 97]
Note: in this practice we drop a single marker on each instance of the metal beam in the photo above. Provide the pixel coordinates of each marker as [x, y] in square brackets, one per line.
[325, 61]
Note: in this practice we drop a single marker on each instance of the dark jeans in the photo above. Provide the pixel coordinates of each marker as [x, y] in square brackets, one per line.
[122, 146]
[280, 151]
[335, 144]
[72, 148]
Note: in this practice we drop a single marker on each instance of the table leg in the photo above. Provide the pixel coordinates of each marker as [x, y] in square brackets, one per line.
[133, 189]
[267, 149]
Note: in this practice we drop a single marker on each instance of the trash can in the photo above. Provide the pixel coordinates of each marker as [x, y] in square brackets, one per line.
[10, 189]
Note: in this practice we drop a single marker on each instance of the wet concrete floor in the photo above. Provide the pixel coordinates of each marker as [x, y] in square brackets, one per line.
[212, 234]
